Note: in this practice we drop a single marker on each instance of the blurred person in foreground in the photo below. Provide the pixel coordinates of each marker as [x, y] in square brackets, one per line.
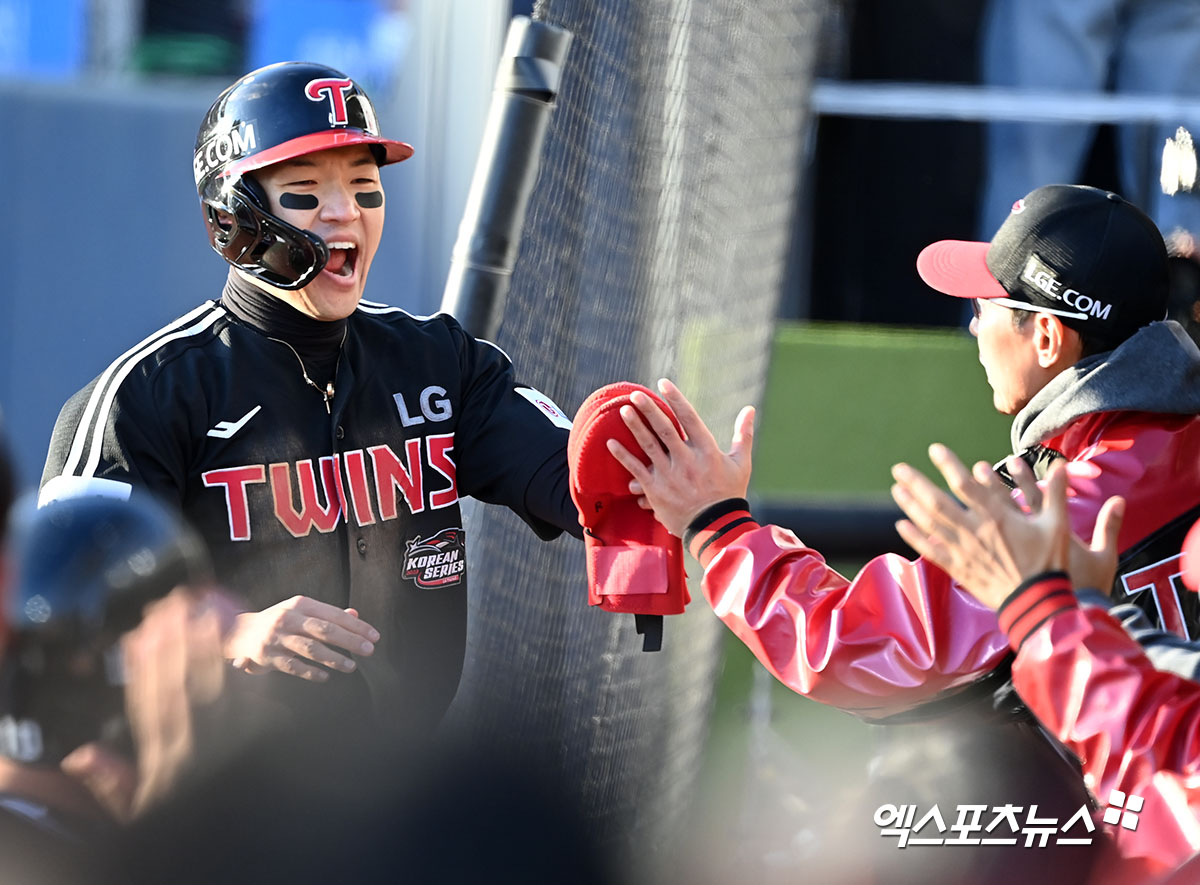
[1135, 728]
[320, 443]
[111, 649]
[283, 808]
[1070, 297]
[136, 769]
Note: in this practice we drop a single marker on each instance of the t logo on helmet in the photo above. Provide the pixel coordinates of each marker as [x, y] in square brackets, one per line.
[335, 88]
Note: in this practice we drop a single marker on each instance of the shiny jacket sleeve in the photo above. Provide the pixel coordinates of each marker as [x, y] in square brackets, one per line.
[1135, 728]
[1149, 463]
[1166, 650]
[899, 634]
[1091, 684]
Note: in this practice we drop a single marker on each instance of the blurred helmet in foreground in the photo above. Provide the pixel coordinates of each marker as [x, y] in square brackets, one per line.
[85, 569]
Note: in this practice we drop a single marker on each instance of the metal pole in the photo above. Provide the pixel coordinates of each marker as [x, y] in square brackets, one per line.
[489, 237]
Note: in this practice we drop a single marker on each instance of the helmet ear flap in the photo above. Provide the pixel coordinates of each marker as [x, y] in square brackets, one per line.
[243, 231]
[233, 229]
[256, 192]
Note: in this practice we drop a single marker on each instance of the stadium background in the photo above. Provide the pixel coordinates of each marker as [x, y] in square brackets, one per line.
[697, 216]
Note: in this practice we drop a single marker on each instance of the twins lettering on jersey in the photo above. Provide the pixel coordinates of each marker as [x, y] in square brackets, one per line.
[339, 486]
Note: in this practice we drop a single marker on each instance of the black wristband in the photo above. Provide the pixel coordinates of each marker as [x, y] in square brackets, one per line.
[1030, 582]
[1033, 603]
[709, 515]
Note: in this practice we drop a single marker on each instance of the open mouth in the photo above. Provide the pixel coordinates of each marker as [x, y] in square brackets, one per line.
[342, 259]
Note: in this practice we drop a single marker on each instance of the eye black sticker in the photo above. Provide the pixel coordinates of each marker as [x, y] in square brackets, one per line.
[370, 199]
[298, 201]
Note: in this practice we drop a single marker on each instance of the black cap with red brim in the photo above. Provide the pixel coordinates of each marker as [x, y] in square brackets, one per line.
[1083, 254]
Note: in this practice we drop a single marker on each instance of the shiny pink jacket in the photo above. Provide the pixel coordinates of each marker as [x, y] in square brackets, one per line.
[1136, 729]
[901, 633]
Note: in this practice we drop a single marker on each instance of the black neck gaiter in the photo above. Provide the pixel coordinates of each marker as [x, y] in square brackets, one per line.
[317, 343]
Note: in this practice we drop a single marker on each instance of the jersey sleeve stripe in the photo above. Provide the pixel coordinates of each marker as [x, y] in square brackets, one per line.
[110, 380]
[61, 488]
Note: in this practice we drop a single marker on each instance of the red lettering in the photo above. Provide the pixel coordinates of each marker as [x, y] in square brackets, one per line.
[1160, 580]
[234, 480]
[439, 448]
[335, 88]
[331, 475]
[360, 495]
[311, 513]
[391, 474]
[325, 503]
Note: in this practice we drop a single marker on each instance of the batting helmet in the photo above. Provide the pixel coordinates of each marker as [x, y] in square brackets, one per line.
[273, 114]
[85, 569]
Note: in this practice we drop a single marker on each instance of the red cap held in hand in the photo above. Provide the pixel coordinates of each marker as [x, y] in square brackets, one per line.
[634, 564]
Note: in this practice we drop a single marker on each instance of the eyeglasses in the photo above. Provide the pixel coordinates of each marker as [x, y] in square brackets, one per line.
[1025, 305]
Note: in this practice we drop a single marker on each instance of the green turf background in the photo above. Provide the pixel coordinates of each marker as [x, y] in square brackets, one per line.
[843, 403]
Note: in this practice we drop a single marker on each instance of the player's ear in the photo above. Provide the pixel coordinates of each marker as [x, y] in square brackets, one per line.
[1056, 343]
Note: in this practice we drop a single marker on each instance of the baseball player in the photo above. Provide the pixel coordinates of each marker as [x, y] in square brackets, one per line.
[319, 442]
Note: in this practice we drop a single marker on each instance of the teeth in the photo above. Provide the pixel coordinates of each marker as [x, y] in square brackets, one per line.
[340, 245]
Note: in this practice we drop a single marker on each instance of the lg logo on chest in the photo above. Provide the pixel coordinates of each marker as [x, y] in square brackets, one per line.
[432, 406]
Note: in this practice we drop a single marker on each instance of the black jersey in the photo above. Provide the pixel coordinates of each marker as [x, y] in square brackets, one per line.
[351, 499]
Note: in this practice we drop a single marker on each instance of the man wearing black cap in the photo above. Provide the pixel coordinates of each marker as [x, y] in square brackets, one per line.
[1084, 256]
[1070, 294]
[1067, 298]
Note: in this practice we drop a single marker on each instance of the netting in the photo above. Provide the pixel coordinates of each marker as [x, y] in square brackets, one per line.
[655, 244]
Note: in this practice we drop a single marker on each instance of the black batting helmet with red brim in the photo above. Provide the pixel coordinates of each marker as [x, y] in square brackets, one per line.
[271, 115]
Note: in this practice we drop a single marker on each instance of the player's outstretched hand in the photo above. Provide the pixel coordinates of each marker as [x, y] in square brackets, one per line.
[992, 545]
[686, 474]
[299, 636]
